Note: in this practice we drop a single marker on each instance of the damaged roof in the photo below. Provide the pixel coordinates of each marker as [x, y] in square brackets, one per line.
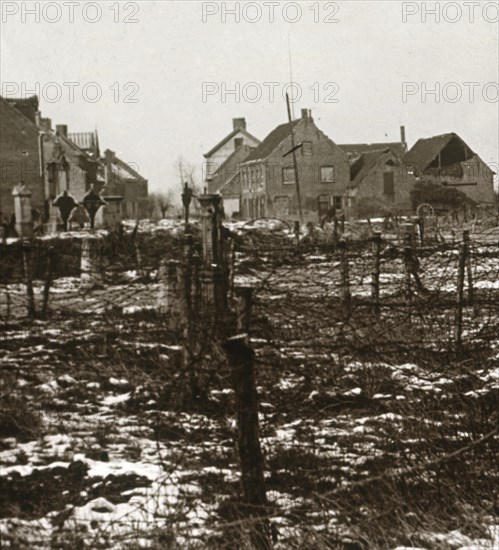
[355, 150]
[365, 163]
[426, 150]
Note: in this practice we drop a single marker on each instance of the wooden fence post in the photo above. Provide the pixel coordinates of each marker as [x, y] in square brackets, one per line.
[28, 278]
[346, 299]
[469, 271]
[408, 236]
[461, 267]
[48, 280]
[241, 359]
[376, 270]
[421, 225]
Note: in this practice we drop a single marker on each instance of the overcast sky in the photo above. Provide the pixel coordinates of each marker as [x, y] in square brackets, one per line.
[177, 48]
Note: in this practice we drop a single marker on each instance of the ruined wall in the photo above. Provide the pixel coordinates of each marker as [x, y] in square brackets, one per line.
[472, 177]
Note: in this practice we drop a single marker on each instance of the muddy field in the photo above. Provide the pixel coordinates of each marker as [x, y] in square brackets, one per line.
[376, 433]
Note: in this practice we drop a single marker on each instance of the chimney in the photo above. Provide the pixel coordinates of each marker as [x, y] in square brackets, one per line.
[304, 114]
[45, 124]
[61, 130]
[402, 137]
[239, 123]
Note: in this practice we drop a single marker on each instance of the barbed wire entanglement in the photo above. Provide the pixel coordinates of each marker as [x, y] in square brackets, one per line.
[129, 386]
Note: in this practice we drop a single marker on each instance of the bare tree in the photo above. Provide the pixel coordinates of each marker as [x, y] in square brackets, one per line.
[152, 204]
[187, 172]
[164, 202]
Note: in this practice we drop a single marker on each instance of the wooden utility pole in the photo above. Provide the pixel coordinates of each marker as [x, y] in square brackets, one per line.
[295, 165]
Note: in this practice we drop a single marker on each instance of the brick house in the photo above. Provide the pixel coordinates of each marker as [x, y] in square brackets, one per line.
[122, 179]
[449, 161]
[19, 152]
[218, 155]
[67, 167]
[227, 180]
[268, 178]
[380, 184]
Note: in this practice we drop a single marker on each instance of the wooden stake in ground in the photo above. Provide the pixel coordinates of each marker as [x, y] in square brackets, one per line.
[241, 359]
[461, 267]
[28, 278]
[346, 298]
[376, 271]
[48, 280]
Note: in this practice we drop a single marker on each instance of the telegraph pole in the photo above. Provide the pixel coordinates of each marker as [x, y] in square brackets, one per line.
[293, 150]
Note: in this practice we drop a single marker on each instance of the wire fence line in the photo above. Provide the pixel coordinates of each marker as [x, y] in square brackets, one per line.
[377, 417]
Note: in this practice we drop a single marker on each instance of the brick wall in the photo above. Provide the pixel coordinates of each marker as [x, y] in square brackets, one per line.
[19, 158]
[271, 196]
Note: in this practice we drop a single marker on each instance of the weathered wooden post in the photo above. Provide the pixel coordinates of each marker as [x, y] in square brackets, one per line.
[408, 232]
[469, 270]
[168, 294]
[345, 295]
[28, 278]
[241, 359]
[421, 225]
[376, 249]
[461, 267]
[51, 260]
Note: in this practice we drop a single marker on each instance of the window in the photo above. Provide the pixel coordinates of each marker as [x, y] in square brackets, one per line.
[337, 202]
[288, 175]
[238, 142]
[307, 148]
[327, 174]
[389, 184]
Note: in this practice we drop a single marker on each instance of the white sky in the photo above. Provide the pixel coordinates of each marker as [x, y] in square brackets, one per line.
[170, 52]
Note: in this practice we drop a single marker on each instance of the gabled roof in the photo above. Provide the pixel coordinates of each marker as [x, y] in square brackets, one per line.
[365, 163]
[355, 150]
[275, 138]
[22, 117]
[426, 150]
[228, 138]
[237, 156]
[28, 106]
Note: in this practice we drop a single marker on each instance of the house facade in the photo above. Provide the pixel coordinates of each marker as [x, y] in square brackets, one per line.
[67, 167]
[447, 160]
[20, 153]
[380, 184]
[268, 182]
[122, 179]
[218, 155]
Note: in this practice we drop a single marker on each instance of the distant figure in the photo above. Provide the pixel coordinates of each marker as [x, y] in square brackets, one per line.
[66, 204]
